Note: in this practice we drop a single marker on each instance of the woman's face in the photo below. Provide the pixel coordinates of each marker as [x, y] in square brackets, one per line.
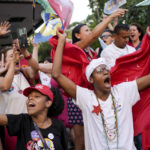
[84, 32]
[9, 55]
[134, 33]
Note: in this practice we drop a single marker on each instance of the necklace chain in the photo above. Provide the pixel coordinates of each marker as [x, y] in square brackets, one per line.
[116, 122]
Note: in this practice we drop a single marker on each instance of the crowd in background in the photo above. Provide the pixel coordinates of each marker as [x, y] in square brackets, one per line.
[40, 108]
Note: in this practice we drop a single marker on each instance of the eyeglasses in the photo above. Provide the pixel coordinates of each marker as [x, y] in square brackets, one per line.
[105, 36]
[100, 69]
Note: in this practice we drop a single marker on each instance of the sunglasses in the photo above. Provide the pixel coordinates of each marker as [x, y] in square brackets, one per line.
[105, 36]
[102, 69]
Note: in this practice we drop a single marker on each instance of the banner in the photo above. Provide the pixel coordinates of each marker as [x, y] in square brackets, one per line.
[63, 9]
[144, 3]
[113, 5]
[48, 28]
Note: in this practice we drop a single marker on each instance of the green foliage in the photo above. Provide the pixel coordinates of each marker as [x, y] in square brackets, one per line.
[44, 50]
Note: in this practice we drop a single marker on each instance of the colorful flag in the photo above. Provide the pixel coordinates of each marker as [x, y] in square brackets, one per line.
[112, 5]
[131, 67]
[49, 27]
[46, 6]
[63, 9]
[144, 3]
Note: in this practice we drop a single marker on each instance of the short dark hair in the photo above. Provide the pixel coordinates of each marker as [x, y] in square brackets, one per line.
[76, 30]
[58, 103]
[139, 28]
[120, 27]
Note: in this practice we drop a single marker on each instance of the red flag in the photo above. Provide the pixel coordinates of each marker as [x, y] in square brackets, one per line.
[63, 9]
[131, 67]
[74, 62]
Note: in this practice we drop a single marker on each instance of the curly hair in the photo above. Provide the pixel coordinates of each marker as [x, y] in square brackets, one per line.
[58, 103]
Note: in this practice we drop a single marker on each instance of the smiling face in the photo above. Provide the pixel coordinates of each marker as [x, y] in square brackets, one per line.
[134, 33]
[37, 103]
[100, 79]
[121, 39]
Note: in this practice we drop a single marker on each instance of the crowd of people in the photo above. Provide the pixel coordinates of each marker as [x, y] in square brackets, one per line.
[41, 108]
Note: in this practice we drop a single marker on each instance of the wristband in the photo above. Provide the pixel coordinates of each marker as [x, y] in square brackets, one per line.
[28, 57]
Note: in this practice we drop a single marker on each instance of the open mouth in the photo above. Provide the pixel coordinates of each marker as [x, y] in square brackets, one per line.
[107, 82]
[132, 36]
[31, 105]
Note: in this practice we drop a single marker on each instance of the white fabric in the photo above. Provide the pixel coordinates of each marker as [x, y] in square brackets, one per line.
[92, 65]
[11, 101]
[112, 52]
[126, 95]
[45, 79]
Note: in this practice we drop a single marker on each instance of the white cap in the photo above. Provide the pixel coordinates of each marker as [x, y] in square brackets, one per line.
[92, 65]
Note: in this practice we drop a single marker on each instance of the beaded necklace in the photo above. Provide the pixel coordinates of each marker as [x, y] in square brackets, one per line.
[104, 123]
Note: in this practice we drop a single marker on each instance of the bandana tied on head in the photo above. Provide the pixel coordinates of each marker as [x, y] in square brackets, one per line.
[93, 64]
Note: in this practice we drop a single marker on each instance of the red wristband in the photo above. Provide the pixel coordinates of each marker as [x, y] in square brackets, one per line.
[28, 57]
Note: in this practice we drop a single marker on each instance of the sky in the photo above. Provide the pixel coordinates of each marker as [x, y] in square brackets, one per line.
[81, 10]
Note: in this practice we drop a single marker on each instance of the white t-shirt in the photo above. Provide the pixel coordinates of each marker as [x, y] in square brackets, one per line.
[126, 95]
[112, 52]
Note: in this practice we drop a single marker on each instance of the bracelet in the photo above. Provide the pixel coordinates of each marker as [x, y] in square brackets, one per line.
[28, 57]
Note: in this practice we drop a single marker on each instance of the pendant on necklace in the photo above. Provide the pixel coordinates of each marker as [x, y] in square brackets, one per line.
[97, 109]
[20, 91]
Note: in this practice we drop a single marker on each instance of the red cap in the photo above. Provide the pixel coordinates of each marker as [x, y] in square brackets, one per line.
[45, 90]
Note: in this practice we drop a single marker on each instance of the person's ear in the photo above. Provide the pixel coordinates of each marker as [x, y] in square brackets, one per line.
[48, 103]
[91, 80]
[77, 35]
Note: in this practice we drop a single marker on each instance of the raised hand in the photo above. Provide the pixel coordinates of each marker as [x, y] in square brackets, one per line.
[4, 26]
[119, 13]
[61, 34]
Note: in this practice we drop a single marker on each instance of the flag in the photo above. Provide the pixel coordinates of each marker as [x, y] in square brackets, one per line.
[113, 5]
[63, 9]
[131, 67]
[103, 45]
[49, 27]
[74, 62]
[144, 3]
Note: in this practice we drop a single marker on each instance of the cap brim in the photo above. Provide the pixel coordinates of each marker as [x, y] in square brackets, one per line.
[28, 90]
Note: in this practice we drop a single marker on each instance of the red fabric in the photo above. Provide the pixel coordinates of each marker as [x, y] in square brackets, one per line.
[10, 141]
[131, 67]
[63, 9]
[74, 62]
[24, 63]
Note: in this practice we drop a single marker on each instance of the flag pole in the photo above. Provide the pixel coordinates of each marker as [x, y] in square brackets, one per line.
[33, 16]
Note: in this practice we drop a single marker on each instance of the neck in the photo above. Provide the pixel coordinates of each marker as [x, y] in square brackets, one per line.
[135, 42]
[102, 95]
[42, 121]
